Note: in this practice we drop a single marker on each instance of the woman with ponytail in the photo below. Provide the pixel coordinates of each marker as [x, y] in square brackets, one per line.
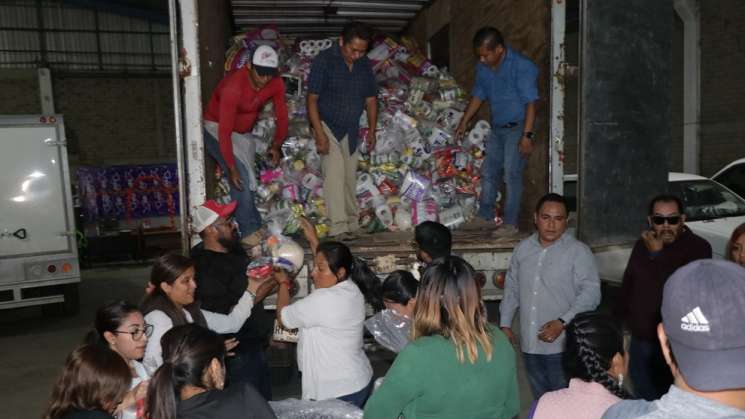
[93, 383]
[191, 382]
[171, 303]
[457, 366]
[596, 362]
[330, 354]
[120, 327]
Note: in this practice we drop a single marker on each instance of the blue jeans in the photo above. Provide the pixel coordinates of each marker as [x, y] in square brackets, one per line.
[545, 373]
[359, 398]
[502, 156]
[246, 214]
[648, 370]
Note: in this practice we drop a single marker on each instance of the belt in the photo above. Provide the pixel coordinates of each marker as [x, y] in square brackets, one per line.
[509, 125]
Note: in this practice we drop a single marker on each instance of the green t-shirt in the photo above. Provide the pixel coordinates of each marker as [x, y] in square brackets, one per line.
[428, 381]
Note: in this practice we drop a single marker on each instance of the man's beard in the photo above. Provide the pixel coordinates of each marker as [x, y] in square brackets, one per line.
[232, 243]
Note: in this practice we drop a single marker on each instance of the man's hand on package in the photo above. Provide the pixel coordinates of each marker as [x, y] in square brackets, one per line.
[460, 131]
[322, 142]
[371, 139]
[235, 177]
[274, 154]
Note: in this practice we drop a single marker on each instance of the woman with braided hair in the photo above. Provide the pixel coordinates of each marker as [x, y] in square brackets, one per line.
[190, 384]
[596, 362]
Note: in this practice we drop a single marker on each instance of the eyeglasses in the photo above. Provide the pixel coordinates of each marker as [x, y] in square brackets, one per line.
[671, 220]
[227, 222]
[137, 334]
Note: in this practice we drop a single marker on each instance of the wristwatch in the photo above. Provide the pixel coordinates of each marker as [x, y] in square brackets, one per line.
[529, 135]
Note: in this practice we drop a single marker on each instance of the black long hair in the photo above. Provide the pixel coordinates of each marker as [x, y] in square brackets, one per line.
[593, 339]
[108, 319]
[168, 268]
[399, 287]
[187, 352]
[339, 256]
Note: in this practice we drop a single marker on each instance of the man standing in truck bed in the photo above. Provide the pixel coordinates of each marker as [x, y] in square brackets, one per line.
[341, 85]
[507, 79]
[232, 111]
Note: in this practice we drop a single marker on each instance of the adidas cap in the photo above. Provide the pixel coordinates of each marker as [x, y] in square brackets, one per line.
[703, 314]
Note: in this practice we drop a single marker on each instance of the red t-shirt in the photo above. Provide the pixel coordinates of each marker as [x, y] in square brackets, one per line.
[235, 104]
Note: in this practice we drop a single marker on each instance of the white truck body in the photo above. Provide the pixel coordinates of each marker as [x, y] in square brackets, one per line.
[38, 250]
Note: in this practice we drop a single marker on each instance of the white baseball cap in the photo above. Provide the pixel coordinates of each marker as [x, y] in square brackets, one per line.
[265, 60]
[207, 213]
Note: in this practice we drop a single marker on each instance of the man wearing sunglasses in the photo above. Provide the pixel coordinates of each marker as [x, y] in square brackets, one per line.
[666, 246]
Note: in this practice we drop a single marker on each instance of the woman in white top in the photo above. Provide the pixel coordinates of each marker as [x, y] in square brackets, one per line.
[330, 354]
[171, 303]
[121, 327]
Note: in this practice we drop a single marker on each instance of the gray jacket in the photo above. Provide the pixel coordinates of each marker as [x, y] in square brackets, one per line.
[676, 404]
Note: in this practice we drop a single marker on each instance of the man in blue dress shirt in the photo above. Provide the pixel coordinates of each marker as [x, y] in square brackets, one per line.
[507, 80]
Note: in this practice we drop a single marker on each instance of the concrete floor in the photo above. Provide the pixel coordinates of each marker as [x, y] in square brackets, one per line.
[33, 347]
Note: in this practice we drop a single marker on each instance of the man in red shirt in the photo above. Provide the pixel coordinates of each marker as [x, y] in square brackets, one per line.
[231, 113]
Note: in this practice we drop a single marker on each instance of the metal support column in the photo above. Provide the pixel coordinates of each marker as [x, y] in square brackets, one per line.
[689, 14]
[558, 64]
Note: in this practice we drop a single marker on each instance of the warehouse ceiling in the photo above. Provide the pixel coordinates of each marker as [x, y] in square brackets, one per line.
[324, 17]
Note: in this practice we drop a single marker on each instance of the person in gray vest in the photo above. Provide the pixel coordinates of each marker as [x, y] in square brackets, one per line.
[702, 336]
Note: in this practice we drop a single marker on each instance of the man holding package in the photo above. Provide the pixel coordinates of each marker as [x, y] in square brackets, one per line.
[507, 79]
[231, 114]
[341, 85]
[220, 273]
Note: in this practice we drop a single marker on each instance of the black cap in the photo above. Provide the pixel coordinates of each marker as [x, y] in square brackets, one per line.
[433, 238]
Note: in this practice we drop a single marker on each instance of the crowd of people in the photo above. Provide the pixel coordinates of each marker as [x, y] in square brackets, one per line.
[196, 345]
[181, 354]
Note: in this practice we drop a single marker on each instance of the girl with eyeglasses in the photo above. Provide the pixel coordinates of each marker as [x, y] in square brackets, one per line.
[121, 327]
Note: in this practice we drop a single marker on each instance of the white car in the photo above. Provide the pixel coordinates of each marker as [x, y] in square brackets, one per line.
[733, 177]
[712, 210]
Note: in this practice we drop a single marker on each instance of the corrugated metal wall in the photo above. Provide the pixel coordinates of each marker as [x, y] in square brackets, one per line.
[63, 37]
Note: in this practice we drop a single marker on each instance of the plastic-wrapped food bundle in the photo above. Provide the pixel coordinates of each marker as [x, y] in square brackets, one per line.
[309, 409]
[417, 171]
[390, 329]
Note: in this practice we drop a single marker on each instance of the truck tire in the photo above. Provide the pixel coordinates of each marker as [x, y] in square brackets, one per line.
[69, 307]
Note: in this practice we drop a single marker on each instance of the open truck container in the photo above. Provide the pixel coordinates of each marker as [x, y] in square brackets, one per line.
[38, 249]
[604, 112]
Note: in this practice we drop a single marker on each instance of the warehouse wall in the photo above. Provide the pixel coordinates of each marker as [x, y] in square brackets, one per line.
[722, 83]
[525, 26]
[109, 120]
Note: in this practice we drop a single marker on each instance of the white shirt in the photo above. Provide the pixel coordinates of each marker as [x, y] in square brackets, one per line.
[220, 323]
[330, 353]
[139, 376]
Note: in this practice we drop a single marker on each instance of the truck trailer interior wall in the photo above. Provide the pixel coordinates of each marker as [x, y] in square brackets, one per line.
[525, 26]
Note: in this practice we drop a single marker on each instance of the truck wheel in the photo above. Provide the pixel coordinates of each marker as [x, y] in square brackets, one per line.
[69, 307]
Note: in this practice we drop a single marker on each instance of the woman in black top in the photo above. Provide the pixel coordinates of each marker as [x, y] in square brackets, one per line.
[93, 383]
[190, 383]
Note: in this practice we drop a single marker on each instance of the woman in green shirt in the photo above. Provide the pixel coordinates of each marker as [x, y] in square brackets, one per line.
[458, 366]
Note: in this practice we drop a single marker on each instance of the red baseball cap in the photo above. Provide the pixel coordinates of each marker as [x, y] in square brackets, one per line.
[209, 212]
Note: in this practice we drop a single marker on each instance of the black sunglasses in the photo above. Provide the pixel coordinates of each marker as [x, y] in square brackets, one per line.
[671, 220]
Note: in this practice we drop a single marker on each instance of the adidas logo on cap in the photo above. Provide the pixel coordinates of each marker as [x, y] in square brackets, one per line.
[695, 321]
